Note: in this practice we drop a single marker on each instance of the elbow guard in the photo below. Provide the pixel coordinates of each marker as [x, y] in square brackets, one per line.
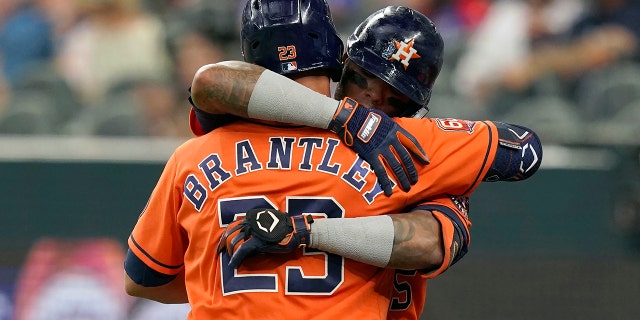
[519, 154]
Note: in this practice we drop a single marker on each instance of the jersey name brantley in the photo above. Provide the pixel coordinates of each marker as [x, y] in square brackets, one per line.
[284, 154]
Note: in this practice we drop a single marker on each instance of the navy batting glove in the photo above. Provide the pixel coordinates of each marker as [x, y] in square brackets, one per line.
[264, 231]
[380, 141]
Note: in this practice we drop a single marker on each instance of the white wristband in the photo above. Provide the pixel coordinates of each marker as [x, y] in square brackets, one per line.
[278, 98]
[364, 239]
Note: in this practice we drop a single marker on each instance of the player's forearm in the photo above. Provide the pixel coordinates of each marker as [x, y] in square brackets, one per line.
[400, 241]
[418, 241]
[225, 87]
[248, 90]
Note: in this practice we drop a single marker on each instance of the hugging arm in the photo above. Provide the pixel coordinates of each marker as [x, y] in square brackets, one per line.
[419, 239]
[250, 91]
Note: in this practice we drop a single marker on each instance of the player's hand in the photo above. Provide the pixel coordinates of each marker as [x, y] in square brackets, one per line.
[380, 141]
[264, 231]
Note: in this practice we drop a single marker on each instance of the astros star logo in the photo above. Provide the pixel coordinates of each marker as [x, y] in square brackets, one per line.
[404, 53]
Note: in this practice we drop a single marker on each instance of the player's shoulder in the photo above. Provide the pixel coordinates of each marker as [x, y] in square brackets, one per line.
[445, 125]
[190, 143]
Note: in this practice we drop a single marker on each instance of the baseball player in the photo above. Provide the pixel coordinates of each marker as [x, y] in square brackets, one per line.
[207, 182]
[371, 55]
[172, 253]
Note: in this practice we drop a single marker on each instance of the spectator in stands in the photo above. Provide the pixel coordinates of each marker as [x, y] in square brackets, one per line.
[606, 35]
[115, 42]
[510, 31]
[192, 49]
[609, 33]
[456, 19]
[163, 112]
[26, 39]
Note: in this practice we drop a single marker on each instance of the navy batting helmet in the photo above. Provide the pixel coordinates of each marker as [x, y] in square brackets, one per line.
[402, 47]
[290, 36]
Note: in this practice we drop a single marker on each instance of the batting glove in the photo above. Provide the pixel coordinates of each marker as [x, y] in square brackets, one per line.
[264, 231]
[380, 141]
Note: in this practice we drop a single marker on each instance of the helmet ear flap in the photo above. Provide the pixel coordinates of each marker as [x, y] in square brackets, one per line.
[402, 47]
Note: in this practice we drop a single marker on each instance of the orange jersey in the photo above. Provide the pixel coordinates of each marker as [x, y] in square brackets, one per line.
[410, 286]
[212, 179]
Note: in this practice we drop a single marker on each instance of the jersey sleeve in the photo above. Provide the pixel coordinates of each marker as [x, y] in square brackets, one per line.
[410, 286]
[460, 151]
[157, 240]
[452, 214]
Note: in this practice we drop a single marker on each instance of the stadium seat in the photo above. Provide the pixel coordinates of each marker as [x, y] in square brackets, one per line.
[43, 78]
[117, 115]
[605, 92]
[622, 128]
[553, 118]
[29, 113]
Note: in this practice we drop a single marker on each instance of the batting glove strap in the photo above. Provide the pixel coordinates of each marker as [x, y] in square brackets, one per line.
[370, 126]
[301, 231]
[341, 118]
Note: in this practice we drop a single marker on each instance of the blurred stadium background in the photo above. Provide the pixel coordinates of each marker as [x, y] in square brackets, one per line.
[93, 101]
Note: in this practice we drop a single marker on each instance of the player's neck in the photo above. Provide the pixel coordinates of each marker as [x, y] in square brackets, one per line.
[320, 84]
